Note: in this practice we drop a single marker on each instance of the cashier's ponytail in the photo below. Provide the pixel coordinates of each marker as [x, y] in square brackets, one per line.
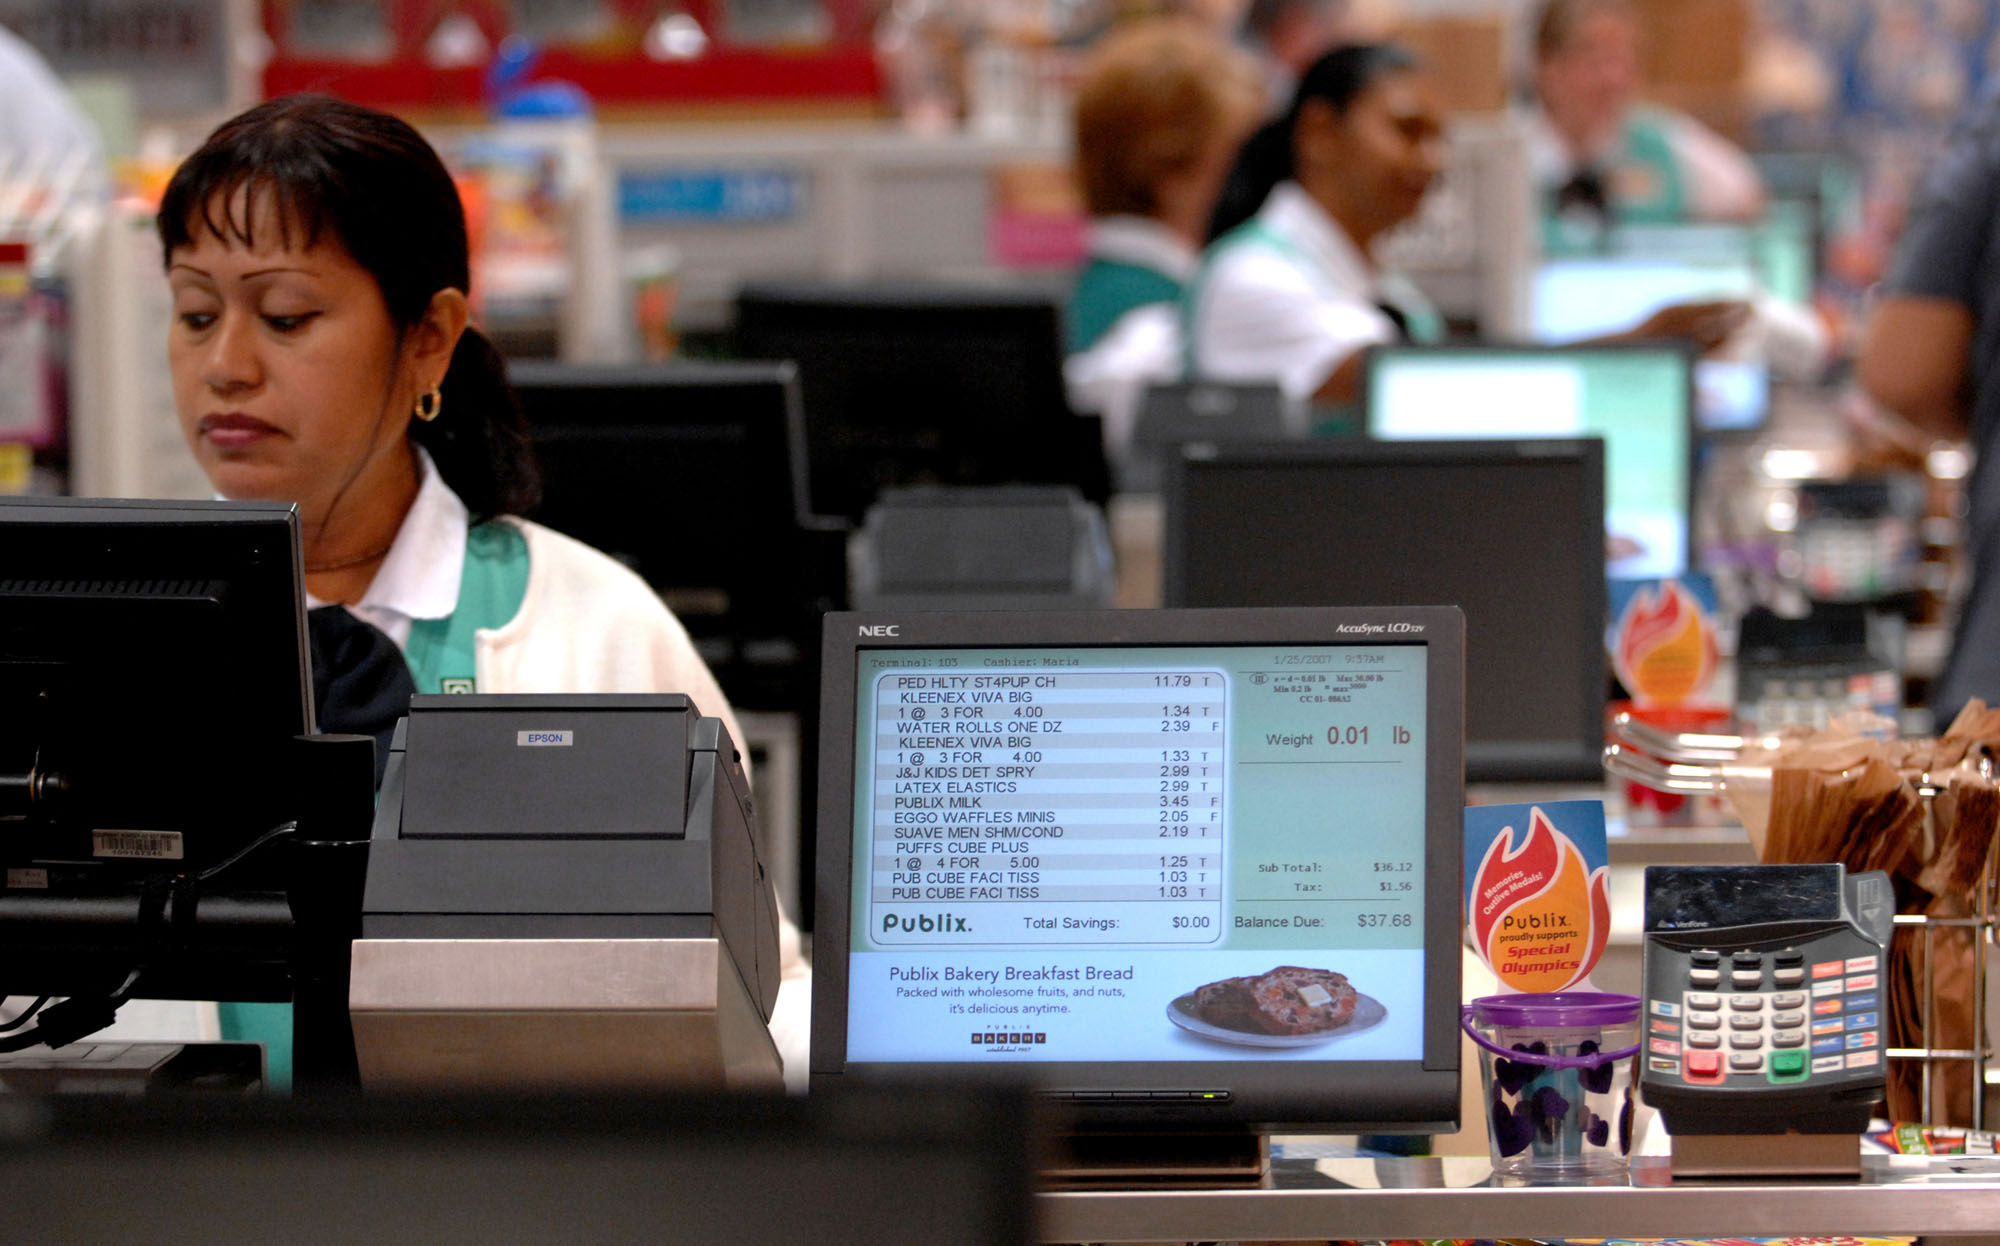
[1340, 77]
[374, 184]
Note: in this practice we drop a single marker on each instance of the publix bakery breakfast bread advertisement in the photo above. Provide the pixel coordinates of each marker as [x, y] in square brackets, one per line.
[1159, 854]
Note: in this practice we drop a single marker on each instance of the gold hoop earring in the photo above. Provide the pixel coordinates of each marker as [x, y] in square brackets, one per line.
[429, 403]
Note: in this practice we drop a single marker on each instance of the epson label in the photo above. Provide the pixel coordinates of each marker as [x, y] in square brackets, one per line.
[545, 739]
[139, 845]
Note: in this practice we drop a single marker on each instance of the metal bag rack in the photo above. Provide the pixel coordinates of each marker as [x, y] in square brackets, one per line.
[1714, 763]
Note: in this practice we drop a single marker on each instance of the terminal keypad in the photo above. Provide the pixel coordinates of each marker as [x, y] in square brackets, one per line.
[1773, 1016]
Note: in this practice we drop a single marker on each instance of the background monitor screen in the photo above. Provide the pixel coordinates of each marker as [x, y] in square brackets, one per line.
[1510, 532]
[675, 470]
[1182, 852]
[1646, 268]
[908, 383]
[153, 672]
[1637, 398]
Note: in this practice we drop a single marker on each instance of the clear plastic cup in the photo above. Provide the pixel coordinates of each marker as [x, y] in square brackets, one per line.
[1558, 1071]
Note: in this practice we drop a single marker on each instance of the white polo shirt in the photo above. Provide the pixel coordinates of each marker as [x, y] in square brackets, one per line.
[419, 579]
[1287, 298]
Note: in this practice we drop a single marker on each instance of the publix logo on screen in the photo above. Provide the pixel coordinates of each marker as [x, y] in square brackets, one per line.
[926, 923]
[1378, 629]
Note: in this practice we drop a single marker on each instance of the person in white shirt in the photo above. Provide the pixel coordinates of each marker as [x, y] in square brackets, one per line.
[1291, 294]
[321, 354]
[1600, 155]
[1289, 291]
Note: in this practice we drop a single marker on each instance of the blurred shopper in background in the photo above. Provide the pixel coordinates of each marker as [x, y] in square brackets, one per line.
[1287, 36]
[1931, 354]
[45, 139]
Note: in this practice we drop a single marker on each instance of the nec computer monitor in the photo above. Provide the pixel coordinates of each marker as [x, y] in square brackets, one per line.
[1510, 532]
[1637, 398]
[153, 671]
[1175, 867]
[914, 383]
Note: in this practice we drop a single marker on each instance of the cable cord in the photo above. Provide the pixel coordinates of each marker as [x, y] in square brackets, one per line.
[26, 1015]
[83, 1015]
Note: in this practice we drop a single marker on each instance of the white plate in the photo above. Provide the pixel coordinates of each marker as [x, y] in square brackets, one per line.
[1368, 1013]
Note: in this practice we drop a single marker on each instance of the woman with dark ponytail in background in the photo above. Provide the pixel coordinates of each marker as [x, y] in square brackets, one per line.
[321, 354]
[1288, 292]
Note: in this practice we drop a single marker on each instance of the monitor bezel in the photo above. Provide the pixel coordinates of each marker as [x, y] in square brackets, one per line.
[245, 525]
[1371, 381]
[669, 375]
[772, 309]
[1584, 762]
[1417, 1095]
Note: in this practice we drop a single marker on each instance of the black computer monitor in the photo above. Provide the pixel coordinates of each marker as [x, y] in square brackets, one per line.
[689, 472]
[1176, 414]
[1639, 398]
[911, 383]
[1510, 532]
[1179, 868]
[153, 674]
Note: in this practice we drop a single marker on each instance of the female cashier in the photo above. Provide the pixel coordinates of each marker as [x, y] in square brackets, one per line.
[320, 353]
[1292, 294]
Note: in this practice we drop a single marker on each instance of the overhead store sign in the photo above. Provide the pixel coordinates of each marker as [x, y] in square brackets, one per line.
[711, 196]
[174, 52]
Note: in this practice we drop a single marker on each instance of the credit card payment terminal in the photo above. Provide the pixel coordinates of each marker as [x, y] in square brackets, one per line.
[1765, 1011]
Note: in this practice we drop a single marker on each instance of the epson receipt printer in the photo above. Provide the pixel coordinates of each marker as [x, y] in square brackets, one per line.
[564, 891]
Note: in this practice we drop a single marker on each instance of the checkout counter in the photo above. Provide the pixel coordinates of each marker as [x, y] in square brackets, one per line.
[1431, 1197]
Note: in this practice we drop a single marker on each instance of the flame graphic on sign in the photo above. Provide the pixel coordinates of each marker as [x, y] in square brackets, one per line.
[1665, 654]
[1539, 915]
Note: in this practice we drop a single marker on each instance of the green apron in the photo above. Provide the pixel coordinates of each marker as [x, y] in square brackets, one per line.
[1645, 187]
[1105, 291]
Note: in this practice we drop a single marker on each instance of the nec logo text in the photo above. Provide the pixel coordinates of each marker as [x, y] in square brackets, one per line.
[879, 629]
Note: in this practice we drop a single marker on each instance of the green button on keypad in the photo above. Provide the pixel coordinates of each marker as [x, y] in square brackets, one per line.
[1788, 1063]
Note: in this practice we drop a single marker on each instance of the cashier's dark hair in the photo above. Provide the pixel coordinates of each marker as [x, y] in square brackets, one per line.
[1340, 77]
[371, 181]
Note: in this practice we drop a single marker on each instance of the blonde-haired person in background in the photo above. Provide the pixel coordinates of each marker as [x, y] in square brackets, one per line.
[1162, 107]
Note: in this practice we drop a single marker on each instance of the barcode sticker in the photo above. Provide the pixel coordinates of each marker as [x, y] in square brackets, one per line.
[143, 845]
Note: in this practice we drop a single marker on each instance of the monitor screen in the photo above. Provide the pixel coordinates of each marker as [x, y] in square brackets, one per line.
[1510, 532]
[1637, 398]
[908, 383]
[1173, 866]
[1573, 298]
[675, 469]
[153, 672]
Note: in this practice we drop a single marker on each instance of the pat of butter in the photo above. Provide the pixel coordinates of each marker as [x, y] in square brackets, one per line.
[1315, 994]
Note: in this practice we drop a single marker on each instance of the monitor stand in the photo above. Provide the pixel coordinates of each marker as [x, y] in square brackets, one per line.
[1186, 1158]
